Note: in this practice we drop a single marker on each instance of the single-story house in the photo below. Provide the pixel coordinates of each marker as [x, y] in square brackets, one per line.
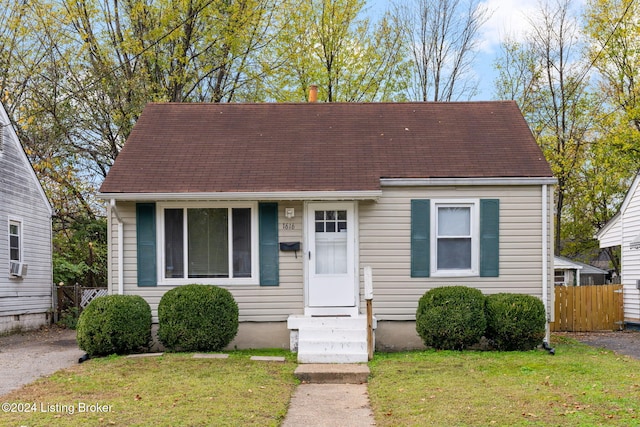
[624, 230]
[286, 204]
[26, 273]
[575, 273]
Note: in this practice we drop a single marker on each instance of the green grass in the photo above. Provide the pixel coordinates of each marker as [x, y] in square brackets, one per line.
[579, 386]
[170, 390]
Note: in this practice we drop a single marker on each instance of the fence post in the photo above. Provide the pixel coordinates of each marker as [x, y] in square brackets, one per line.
[77, 293]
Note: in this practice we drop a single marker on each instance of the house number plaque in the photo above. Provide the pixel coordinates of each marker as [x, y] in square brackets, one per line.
[286, 226]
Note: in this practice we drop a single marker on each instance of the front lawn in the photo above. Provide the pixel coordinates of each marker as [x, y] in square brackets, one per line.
[171, 390]
[579, 386]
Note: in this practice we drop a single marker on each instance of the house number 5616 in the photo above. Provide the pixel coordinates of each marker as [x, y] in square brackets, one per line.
[288, 226]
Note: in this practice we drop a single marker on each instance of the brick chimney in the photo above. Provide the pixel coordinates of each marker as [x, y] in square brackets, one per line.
[313, 93]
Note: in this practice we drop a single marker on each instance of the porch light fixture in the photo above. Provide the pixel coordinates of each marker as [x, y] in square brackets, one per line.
[289, 212]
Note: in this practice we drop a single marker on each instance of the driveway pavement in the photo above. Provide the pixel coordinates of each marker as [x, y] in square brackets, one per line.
[622, 342]
[28, 356]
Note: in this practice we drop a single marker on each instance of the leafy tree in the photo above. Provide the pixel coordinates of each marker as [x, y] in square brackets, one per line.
[588, 131]
[613, 28]
[80, 252]
[545, 75]
[600, 186]
[178, 51]
[329, 44]
[442, 36]
[519, 75]
[77, 73]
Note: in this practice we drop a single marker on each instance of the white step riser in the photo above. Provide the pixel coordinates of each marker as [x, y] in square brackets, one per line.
[330, 322]
[339, 335]
[329, 347]
[332, 358]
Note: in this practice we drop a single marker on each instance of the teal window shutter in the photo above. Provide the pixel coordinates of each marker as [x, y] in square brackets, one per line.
[420, 236]
[146, 243]
[489, 238]
[269, 261]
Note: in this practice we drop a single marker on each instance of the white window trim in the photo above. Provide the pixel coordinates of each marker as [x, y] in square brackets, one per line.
[474, 204]
[16, 220]
[255, 247]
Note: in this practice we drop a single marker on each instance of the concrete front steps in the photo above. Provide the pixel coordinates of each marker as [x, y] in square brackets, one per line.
[341, 373]
[331, 339]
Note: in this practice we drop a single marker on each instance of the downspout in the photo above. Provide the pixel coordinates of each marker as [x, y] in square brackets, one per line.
[545, 265]
[114, 209]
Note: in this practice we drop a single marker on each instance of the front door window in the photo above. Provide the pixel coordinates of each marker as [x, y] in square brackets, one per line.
[331, 241]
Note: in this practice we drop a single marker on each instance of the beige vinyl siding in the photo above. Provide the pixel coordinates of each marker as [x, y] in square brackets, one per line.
[384, 242]
[256, 303]
[631, 257]
[385, 246]
[22, 199]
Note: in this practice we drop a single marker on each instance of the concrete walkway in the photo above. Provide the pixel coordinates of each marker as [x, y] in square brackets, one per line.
[321, 405]
[331, 395]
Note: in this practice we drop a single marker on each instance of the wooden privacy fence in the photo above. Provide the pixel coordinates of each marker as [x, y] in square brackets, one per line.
[588, 308]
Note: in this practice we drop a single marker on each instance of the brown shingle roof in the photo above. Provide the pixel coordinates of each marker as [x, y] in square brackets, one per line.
[318, 146]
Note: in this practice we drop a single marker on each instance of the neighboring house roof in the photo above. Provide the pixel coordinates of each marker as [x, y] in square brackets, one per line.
[611, 233]
[562, 263]
[193, 148]
[10, 136]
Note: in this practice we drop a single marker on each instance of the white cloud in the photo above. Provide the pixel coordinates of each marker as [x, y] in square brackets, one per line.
[511, 18]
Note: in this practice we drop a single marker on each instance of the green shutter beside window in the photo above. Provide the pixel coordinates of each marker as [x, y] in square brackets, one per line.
[146, 243]
[420, 235]
[269, 261]
[489, 237]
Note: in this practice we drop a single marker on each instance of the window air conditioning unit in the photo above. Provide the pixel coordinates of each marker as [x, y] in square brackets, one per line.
[18, 269]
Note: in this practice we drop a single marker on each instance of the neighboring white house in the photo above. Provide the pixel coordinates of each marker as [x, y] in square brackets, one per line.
[574, 273]
[26, 282]
[624, 230]
[286, 204]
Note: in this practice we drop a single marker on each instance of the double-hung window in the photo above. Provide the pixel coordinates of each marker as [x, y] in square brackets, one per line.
[210, 243]
[455, 237]
[455, 245]
[15, 240]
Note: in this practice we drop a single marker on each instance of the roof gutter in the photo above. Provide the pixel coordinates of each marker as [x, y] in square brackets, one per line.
[262, 195]
[329, 194]
[436, 182]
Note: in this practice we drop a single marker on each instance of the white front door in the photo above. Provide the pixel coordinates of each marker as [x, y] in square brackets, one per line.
[331, 255]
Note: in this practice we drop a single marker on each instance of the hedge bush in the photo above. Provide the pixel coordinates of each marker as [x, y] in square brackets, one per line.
[119, 324]
[515, 322]
[451, 317]
[197, 318]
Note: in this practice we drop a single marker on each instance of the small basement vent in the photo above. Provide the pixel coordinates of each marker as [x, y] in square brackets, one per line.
[17, 269]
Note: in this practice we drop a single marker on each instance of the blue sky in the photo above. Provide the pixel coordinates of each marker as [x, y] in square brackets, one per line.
[508, 18]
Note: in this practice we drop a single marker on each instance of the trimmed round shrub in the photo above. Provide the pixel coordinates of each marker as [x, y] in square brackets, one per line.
[197, 318]
[515, 322]
[119, 324]
[451, 317]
